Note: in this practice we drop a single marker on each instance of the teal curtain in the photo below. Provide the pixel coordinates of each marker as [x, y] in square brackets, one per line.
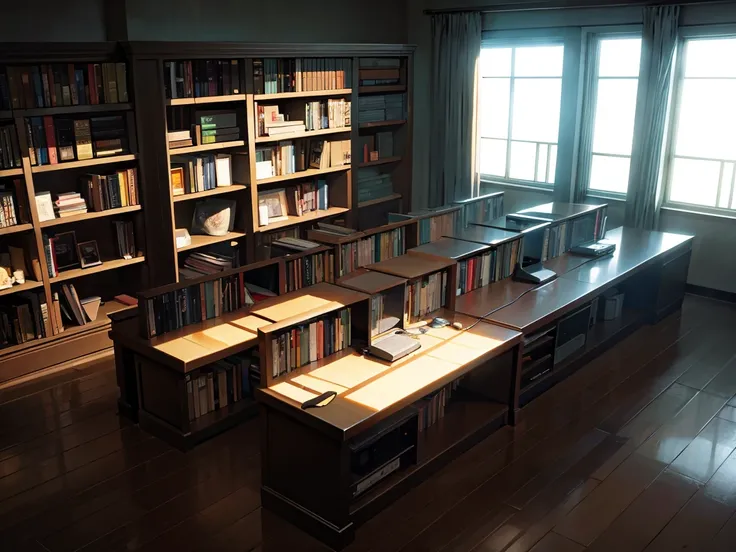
[659, 42]
[585, 147]
[456, 39]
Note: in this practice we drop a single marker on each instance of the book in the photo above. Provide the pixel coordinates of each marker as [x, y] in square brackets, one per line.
[202, 78]
[306, 270]
[278, 75]
[83, 139]
[371, 249]
[45, 206]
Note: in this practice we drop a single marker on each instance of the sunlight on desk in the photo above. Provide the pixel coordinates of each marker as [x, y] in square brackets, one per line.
[222, 334]
[293, 392]
[182, 349]
[350, 370]
[249, 322]
[291, 307]
[318, 385]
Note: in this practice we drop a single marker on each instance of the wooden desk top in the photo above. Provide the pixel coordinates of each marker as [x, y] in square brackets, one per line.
[370, 390]
[451, 248]
[411, 266]
[304, 300]
[369, 281]
[484, 234]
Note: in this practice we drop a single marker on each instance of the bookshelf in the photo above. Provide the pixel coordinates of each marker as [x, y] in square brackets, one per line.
[485, 207]
[36, 115]
[431, 224]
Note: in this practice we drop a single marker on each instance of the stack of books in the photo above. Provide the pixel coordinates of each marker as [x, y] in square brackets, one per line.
[179, 138]
[69, 204]
[24, 317]
[273, 76]
[331, 113]
[219, 385]
[372, 249]
[216, 126]
[202, 78]
[379, 71]
[9, 148]
[13, 207]
[199, 173]
[381, 107]
[273, 123]
[63, 84]
[111, 191]
[201, 264]
[425, 295]
[109, 135]
[125, 238]
[286, 245]
[373, 184]
[312, 341]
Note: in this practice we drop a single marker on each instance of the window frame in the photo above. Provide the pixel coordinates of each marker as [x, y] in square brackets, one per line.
[685, 34]
[599, 33]
[516, 40]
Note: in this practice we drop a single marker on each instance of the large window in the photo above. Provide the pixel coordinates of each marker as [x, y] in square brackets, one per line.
[702, 150]
[520, 93]
[616, 83]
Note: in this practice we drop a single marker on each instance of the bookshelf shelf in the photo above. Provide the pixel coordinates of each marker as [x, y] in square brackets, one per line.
[90, 216]
[311, 94]
[104, 267]
[281, 137]
[6, 114]
[384, 161]
[230, 415]
[28, 285]
[16, 228]
[379, 200]
[201, 241]
[379, 124]
[207, 193]
[302, 174]
[206, 100]
[382, 89]
[73, 109]
[314, 215]
[11, 172]
[208, 147]
[85, 163]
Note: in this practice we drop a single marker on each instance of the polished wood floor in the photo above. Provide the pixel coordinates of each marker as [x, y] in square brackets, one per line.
[637, 451]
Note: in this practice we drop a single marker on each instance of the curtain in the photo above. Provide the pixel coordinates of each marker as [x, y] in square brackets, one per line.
[659, 41]
[453, 174]
[585, 148]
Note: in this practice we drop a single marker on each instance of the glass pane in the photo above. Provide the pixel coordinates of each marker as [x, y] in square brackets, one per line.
[710, 58]
[494, 107]
[614, 116]
[552, 164]
[725, 185]
[542, 163]
[536, 109]
[609, 174]
[694, 182]
[707, 119]
[493, 157]
[495, 62]
[619, 57]
[523, 160]
[538, 61]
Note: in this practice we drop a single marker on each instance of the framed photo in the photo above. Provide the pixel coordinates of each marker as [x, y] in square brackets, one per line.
[177, 181]
[275, 206]
[65, 250]
[89, 255]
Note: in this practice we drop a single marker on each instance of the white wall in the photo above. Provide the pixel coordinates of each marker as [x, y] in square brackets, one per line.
[713, 265]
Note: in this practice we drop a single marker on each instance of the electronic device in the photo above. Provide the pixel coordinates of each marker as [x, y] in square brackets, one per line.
[533, 274]
[322, 400]
[572, 333]
[594, 249]
[438, 323]
[394, 346]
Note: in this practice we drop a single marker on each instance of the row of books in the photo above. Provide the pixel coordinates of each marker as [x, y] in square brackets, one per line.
[388, 73]
[219, 385]
[374, 184]
[111, 191]
[52, 141]
[198, 173]
[381, 107]
[9, 148]
[431, 409]
[431, 228]
[273, 76]
[489, 267]
[63, 84]
[332, 113]
[202, 78]
[13, 204]
[310, 342]
[289, 157]
[425, 295]
[481, 210]
[386, 310]
[204, 263]
[73, 308]
[24, 317]
[209, 127]
[372, 249]
[309, 270]
[125, 238]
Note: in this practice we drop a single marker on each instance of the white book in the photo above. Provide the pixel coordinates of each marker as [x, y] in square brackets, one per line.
[222, 170]
[312, 342]
[278, 131]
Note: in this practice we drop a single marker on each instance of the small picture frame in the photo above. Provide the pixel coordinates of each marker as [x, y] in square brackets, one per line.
[65, 250]
[89, 254]
[275, 205]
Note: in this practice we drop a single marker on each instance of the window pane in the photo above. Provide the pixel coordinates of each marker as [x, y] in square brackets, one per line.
[494, 107]
[523, 160]
[707, 119]
[694, 182]
[542, 163]
[610, 174]
[493, 157]
[619, 57]
[552, 164]
[614, 116]
[536, 111]
[538, 61]
[495, 62]
[725, 185]
[710, 58]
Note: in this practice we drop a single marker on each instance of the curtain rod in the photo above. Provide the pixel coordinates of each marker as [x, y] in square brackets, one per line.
[569, 4]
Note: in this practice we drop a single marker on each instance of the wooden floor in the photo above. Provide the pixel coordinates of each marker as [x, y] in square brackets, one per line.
[637, 451]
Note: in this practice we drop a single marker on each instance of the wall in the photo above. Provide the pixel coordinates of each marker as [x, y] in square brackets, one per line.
[710, 267]
[52, 21]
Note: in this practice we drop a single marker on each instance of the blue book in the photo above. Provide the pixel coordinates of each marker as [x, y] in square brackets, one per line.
[81, 94]
[209, 296]
[37, 86]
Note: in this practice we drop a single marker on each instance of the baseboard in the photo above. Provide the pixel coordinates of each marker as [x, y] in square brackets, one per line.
[720, 295]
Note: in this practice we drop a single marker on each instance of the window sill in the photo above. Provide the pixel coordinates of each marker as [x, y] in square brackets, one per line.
[606, 197]
[706, 214]
[513, 185]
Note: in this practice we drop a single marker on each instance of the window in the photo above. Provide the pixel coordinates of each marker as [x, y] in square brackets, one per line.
[702, 149]
[520, 96]
[616, 84]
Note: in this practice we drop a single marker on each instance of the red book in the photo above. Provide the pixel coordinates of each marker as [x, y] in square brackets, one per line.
[92, 86]
[48, 123]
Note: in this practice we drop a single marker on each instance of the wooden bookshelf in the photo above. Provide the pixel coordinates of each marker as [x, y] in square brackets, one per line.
[202, 241]
[96, 161]
[300, 135]
[207, 147]
[73, 109]
[10, 172]
[309, 217]
[379, 124]
[5, 114]
[385, 199]
[206, 100]
[307, 94]
[209, 193]
[15, 228]
[384, 161]
[116, 264]
[309, 173]
[90, 216]
[383, 89]
[26, 286]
